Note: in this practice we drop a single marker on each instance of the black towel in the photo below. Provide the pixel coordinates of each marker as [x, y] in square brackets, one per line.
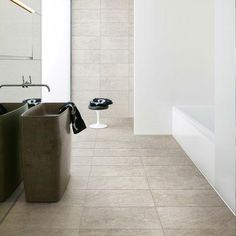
[32, 102]
[3, 110]
[78, 124]
[104, 101]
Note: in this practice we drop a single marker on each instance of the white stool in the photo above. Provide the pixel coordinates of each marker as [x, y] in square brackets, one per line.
[98, 125]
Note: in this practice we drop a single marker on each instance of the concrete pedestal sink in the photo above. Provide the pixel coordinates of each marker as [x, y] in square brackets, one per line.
[10, 166]
[46, 152]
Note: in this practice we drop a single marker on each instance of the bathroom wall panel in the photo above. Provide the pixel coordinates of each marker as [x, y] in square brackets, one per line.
[103, 54]
[14, 76]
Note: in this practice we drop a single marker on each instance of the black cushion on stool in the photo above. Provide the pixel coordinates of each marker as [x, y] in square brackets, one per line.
[97, 107]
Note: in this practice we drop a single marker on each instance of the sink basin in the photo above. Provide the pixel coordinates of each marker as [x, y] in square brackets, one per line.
[10, 166]
[46, 152]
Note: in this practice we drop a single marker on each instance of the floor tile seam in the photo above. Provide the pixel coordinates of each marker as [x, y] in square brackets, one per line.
[11, 208]
[153, 200]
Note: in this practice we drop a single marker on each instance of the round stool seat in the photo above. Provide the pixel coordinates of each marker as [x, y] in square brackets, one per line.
[98, 104]
[97, 107]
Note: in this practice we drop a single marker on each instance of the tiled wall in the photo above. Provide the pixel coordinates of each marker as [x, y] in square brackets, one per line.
[102, 43]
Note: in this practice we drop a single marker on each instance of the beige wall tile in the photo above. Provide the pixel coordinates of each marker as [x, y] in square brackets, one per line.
[86, 29]
[79, 42]
[115, 42]
[114, 15]
[115, 4]
[101, 49]
[82, 70]
[85, 83]
[117, 110]
[115, 56]
[85, 16]
[86, 4]
[86, 56]
[117, 83]
[114, 29]
[117, 70]
[86, 96]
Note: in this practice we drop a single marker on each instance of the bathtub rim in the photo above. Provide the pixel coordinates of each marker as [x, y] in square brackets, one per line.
[197, 124]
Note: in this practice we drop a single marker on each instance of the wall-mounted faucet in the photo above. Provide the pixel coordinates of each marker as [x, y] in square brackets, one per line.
[26, 84]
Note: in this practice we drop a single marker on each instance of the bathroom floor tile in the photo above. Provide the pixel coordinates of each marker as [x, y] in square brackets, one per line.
[36, 231]
[118, 232]
[119, 198]
[175, 177]
[186, 198]
[207, 232]
[196, 217]
[82, 161]
[120, 218]
[78, 182]
[123, 171]
[117, 183]
[126, 185]
[167, 161]
[79, 170]
[109, 161]
[44, 216]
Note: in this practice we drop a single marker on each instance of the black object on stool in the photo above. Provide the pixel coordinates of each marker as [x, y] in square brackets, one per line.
[32, 102]
[98, 104]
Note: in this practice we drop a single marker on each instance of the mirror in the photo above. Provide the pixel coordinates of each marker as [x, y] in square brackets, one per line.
[20, 55]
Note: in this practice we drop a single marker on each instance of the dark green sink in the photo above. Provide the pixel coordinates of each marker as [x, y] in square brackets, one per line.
[10, 166]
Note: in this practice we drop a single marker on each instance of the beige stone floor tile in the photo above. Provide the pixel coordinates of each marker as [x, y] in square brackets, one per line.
[112, 137]
[123, 171]
[139, 152]
[7, 205]
[78, 182]
[73, 197]
[83, 145]
[133, 161]
[176, 171]
[175, 177]
[79, 170]
[117, 183]
[119, 198]
[196, 217]
[116, 145]
[167, 161]
[120, 218]
[81, 161]
[44, 216]
[118, 232]
[81, 152]
[36, 231]
[182, 198]
[209, 232]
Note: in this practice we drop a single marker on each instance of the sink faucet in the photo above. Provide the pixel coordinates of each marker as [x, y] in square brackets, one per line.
[26, 84]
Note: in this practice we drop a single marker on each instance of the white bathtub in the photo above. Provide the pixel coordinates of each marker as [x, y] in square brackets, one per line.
[193, 128]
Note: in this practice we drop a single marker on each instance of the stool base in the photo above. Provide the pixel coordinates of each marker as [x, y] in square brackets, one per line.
[98, 126]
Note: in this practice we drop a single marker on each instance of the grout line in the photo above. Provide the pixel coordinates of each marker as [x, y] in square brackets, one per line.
[150, 190]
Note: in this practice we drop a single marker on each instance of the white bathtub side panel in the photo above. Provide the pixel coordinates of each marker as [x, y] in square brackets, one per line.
[197, 146]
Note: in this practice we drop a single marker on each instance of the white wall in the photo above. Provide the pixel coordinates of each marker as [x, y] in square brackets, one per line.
[174, 60]
[20, 52]
[56, 51]
[225, 166]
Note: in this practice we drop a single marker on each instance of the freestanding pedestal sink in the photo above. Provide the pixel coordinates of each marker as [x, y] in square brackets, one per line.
[46, 151]
[10, 166]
